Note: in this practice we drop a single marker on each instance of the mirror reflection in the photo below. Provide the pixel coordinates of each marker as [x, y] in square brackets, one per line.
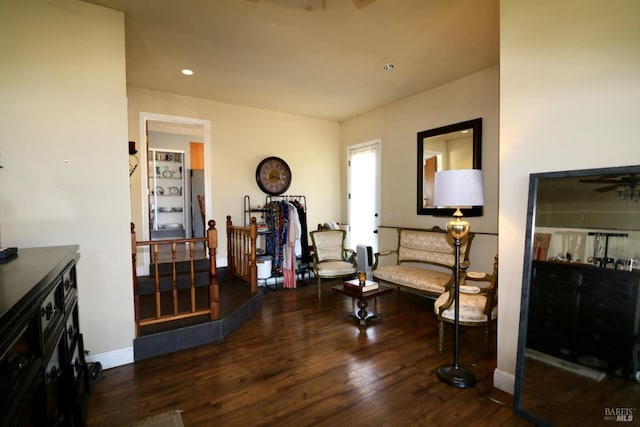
[579, 342]
[456, 146]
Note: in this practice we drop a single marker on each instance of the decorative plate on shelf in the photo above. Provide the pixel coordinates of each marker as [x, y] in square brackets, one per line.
[159, 190]
[174, 191]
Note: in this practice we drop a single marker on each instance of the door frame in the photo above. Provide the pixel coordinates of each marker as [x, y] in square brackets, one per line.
[378, 188]
[144, 172]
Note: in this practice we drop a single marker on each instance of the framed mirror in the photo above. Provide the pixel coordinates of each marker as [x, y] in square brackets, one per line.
[456, 146]
[578, 360]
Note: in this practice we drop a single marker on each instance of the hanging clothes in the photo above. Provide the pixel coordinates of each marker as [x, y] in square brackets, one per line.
[287, 242]
[304, 235]
[289, 251]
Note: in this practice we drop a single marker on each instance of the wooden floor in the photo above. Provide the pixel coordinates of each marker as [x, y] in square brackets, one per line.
[300, 362]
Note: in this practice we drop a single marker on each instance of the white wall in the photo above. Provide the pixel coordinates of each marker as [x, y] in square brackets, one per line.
[397, 125]
[63, 145]
[240, 138]
[569, 90]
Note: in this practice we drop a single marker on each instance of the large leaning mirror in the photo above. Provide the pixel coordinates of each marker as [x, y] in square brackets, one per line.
[456, 146]
[579, 339]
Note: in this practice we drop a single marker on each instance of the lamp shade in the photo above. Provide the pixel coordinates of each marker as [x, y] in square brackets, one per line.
[458, 187]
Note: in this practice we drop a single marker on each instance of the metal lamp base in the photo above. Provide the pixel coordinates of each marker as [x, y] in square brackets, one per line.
[457, 376]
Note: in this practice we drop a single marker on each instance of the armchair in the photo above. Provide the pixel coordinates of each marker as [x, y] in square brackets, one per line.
[478, 304]
[330, 258]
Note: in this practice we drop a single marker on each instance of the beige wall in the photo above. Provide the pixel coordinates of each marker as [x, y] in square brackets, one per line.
[240, 138]
[397, 126]
[567, 98]
[63, 145]
[569, 90]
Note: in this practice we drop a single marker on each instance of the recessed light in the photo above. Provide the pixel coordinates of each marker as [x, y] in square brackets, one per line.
[187, 72]
[388, 67]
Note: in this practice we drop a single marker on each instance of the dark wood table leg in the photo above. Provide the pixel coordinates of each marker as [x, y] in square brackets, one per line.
[363, 316]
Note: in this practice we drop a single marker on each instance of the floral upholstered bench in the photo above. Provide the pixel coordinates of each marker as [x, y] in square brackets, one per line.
[424, 261]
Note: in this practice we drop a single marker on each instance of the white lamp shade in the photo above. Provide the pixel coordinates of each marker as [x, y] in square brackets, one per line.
[458, 187]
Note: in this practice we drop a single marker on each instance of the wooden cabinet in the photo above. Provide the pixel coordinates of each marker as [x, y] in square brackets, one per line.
[43, 375]
[585, 314]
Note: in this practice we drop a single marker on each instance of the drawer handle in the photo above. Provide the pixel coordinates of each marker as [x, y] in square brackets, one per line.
[58, 418]
[55, 374]
[22, 364]
[49, 311]
[78, 363]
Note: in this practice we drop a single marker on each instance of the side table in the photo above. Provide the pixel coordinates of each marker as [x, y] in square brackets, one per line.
[362, 316]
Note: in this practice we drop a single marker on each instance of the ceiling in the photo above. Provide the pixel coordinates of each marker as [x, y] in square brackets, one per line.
[319, 58]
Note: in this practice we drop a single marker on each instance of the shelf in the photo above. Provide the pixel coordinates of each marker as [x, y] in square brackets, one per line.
[167, 192]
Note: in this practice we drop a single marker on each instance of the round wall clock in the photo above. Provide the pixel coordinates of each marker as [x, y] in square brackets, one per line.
[273, 175]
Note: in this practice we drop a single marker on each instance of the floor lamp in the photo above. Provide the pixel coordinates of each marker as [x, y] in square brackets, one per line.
[456, 188]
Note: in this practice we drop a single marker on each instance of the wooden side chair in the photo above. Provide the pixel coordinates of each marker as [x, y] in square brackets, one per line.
[330, 258]
[478, 304]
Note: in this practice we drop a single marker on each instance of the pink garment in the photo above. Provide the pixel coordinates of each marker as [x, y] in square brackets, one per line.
[289, 255]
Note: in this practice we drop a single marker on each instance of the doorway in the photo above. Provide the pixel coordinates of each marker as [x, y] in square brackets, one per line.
[172, 126]
[363, 206]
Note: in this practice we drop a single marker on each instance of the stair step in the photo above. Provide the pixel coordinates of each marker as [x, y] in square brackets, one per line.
[146, 284]
[181, 266]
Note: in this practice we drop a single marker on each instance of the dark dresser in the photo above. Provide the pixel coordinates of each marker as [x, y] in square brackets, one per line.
[585, 314]
[43, 374]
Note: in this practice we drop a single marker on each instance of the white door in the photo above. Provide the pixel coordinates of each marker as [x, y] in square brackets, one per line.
[364, 193]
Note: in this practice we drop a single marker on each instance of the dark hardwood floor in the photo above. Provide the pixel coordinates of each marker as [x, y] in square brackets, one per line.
[299, 362]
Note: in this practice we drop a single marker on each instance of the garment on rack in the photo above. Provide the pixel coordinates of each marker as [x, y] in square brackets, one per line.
[304, 236]
[288, 241]
[289, 250]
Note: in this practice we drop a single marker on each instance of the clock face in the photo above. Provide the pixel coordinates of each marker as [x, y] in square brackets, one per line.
[273, 175]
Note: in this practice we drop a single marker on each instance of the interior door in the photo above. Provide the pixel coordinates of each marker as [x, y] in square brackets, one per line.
[430, 169]
[364, 194]
[197, 189]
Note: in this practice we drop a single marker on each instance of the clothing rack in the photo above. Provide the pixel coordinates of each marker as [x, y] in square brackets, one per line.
[287, 198]
[273, 207]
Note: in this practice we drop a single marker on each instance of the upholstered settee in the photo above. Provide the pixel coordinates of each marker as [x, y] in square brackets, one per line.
[423, 261]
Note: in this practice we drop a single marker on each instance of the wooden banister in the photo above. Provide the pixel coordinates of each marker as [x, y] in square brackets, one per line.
[136, 298]
[213, 309]
[241, 252]
[214, 287]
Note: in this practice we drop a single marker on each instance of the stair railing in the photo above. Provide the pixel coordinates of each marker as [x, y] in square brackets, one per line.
[213, 310]
[241, 252]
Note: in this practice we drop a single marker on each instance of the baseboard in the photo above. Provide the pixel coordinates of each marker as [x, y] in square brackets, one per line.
[113, 359]
[575, 368]
[504, 381]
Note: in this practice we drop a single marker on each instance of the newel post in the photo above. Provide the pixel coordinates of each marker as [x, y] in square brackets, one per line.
[136, 299]
[214, 288]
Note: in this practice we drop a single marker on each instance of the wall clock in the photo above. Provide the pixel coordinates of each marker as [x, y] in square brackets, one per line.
[273, 175]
